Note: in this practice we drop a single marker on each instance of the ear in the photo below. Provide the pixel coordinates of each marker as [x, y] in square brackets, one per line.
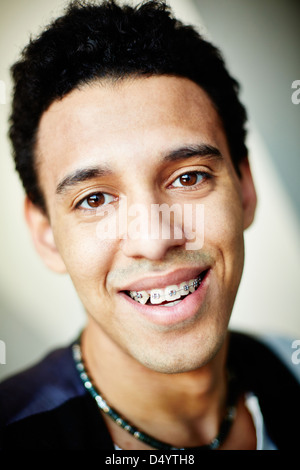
[248, 193]
[41, 232]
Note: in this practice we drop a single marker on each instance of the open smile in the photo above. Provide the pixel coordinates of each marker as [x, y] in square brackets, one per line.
[183, 300]
[168, 296]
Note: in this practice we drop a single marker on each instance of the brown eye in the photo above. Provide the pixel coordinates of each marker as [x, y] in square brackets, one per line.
[192, 178]
[95, 200]
[189, 179]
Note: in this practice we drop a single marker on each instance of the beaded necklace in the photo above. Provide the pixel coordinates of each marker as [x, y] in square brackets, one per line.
[141, 436]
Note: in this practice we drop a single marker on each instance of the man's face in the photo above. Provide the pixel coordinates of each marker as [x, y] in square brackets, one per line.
[149, 141]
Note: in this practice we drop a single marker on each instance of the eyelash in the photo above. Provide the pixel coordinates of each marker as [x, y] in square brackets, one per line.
[91, 209]
[205, 176]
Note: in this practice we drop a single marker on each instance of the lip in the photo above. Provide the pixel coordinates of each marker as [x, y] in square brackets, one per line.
[160, 282]
[187, 309]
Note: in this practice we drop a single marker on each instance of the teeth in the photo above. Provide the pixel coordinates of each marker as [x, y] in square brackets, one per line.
[170, 293]
[171, 304]
[157, 296]
[193, 285]
[184, 288]
[141, 296]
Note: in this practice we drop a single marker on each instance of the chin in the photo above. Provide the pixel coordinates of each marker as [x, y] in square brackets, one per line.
[167, 359]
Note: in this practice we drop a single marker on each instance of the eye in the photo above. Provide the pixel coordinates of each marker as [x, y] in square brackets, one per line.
[190, 179]
[94, 201]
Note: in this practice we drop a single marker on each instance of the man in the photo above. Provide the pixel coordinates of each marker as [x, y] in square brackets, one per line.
[117, 109]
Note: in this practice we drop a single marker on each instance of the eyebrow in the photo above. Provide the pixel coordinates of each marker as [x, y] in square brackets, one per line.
[80, 176]
[195, 150]
[86, 174]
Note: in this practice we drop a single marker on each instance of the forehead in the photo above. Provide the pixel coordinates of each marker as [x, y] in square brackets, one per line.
[130, 120]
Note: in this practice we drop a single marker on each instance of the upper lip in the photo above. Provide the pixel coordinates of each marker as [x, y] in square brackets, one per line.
[164, 280]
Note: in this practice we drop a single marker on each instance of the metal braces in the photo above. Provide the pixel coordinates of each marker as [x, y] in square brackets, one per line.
[172, 292]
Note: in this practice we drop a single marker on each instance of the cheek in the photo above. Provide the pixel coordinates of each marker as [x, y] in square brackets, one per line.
[86, 256]
[224, 232]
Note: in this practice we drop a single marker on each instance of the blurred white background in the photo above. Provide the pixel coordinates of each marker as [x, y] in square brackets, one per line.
[39, 310]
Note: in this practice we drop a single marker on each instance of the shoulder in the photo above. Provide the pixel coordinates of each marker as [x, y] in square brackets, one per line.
[265, 366]
[76, 424]
[266, 351]
[40, 388]
[286, 349]
[47, 407]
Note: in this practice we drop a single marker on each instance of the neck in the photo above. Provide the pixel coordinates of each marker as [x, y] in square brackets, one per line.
[190, 405]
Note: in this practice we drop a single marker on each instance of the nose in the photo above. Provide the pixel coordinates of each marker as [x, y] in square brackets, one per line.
[153, 229]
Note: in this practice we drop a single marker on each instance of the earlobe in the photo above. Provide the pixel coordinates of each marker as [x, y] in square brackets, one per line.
[248, 193]
[42, 235]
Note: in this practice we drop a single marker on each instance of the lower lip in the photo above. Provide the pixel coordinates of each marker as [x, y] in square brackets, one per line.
[167, 316]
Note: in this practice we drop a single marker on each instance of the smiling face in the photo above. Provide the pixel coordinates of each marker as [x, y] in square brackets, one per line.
[149, 141]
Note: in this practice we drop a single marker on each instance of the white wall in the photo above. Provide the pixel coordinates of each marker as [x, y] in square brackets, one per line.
[40, 310]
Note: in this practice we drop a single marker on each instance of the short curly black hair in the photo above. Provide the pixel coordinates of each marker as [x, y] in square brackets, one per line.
[99, 40]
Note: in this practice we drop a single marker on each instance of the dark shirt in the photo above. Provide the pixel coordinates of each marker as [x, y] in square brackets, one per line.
[47, 406]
